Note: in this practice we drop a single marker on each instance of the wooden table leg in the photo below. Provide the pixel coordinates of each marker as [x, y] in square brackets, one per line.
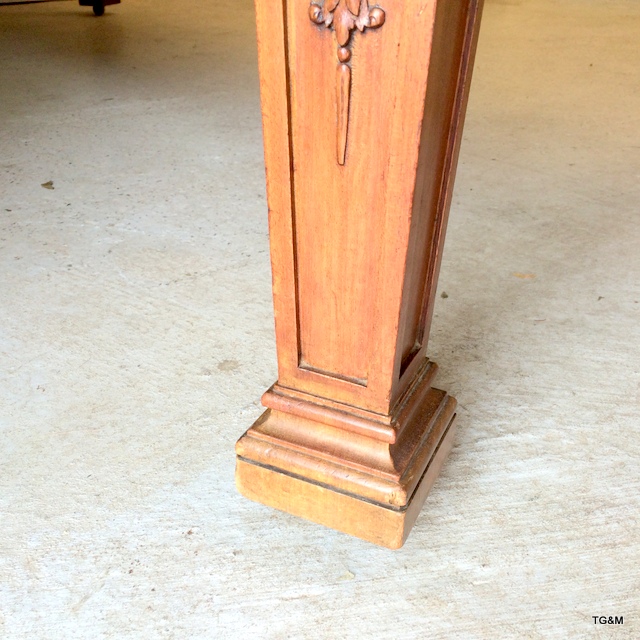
[362, 109]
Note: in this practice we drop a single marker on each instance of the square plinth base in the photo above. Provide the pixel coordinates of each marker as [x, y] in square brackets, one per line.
[382, 525]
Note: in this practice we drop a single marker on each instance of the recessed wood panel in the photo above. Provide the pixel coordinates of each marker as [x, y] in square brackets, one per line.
[355, 223]
[337, 207]
[437, 138]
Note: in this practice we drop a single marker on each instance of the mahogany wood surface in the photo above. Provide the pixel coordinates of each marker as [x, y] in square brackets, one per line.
[362, 109]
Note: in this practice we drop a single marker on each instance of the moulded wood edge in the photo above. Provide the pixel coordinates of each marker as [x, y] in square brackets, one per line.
[319, 503]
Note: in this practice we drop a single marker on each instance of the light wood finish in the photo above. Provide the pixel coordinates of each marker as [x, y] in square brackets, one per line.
[339, 510]
[362, 112]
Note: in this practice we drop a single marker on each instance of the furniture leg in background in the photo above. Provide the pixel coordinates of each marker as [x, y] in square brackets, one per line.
[98, 5]
[363, 107]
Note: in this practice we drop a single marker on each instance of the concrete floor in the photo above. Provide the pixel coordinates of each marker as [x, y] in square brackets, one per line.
[136, 337]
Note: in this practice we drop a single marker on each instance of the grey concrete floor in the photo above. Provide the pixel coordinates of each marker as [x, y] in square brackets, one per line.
[136, 337]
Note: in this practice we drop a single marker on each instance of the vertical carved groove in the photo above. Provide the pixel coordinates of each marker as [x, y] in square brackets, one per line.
[345, 16]
[343, 99]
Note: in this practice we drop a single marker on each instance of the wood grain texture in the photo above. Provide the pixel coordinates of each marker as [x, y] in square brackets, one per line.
[352, 513]
[345, 325]
[360, 156]
[455, 39]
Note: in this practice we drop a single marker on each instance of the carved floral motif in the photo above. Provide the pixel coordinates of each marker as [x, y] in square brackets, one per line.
[345, 16]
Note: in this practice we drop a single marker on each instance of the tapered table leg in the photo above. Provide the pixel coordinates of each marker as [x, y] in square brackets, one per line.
[363, 107]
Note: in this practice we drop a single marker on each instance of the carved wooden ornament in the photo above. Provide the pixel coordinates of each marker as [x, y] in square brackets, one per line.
[345, 16]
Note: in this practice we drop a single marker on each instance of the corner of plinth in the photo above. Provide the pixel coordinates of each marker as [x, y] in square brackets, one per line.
[350, 480]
